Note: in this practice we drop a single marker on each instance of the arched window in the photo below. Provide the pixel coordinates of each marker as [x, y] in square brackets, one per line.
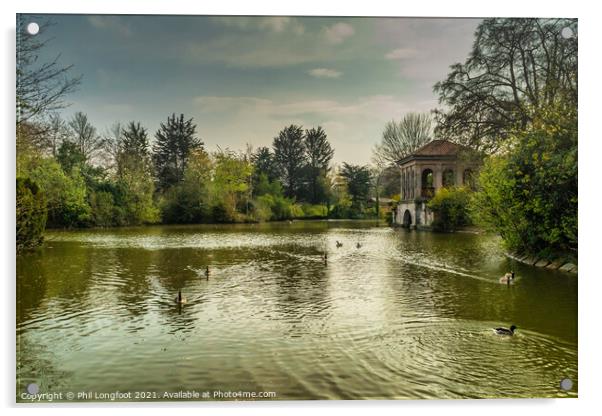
[448, 178]
[427, 188]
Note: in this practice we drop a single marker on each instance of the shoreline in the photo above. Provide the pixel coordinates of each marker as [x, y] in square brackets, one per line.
[562, 265]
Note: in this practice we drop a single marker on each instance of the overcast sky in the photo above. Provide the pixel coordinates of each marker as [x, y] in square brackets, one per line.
[243, 79]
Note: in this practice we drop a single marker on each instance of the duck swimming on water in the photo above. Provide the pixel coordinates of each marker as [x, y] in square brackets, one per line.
[339, 244]
[358, 245]
[179, 299]
[505, 331]
[508, 278]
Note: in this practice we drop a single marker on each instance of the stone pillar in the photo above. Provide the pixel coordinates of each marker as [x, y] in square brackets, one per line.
[401, 184]
[459, 175]
[417, 180]
[438, 178]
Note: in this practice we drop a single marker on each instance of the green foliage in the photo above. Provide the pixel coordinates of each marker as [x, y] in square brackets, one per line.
[175, 140]
[290, 157]
[103, 209]
[529, 194]
[69, 156]
[451, 208]
[31, 214]
[65, 193]
[230, 185]
[189, 202]
[358, 181]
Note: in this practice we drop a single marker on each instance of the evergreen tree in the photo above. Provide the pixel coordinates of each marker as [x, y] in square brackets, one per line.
[319, 154]
[290, 157]
[175, 140]
[264, 163]
[134, 140]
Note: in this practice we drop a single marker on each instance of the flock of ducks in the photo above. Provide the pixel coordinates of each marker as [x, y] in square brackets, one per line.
[507, 279]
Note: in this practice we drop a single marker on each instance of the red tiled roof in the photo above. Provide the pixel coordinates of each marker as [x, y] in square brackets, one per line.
[438, 148]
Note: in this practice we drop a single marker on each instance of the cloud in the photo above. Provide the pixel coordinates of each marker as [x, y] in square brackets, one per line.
[324, 73]
[401, 53]
[111, 23]
[338, 32]
[276, 24]
[353, 126]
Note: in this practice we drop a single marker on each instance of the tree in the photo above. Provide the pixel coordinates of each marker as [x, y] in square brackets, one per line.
[84, 135]
[190, 201]
[175, 140]
[516, 68]
[399, 139]
[290, 157]
[31, 214]
[56, 133]
[41, 86]
[70, 156]
[135, 140]
[264, 163]
[358, 179]
[319, 154]
[528, 193]
[230, 184]
[65, 193]
[134, 176]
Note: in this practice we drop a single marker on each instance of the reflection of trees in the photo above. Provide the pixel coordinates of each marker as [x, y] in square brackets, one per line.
[31, 285]
[60, 273]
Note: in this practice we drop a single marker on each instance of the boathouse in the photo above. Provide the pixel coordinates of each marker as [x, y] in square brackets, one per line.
[437, 164]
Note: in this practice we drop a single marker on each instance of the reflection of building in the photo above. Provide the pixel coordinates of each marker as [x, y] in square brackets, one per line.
[437, 164]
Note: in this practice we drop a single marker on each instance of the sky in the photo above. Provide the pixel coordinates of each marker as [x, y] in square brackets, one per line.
[245, 78]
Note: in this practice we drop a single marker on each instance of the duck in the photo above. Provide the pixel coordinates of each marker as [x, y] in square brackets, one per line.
[358, 245]
[508, 278]
[505, 331]
[339, 244]
[179, 299]
[207, 272]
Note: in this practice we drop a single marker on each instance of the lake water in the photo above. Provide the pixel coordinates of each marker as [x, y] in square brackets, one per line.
[407, 315]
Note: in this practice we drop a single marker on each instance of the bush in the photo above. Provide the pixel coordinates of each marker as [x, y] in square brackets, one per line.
[31, 214]
[65, 194]
[451, 208]
[314, 211]
[529, 194]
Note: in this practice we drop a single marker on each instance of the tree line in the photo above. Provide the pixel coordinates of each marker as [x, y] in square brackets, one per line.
[513, 101]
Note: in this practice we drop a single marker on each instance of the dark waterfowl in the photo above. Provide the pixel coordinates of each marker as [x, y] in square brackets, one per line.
[207, 272]
[179, 299]
[325, 258]
[505, 331]
[339, 244]
[358, 245]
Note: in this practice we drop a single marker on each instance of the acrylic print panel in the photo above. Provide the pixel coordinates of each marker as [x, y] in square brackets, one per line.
[294, 208]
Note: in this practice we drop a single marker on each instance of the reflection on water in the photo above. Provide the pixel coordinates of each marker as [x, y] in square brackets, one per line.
[407, 315]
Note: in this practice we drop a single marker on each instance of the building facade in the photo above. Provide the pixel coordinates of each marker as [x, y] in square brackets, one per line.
[438, 164]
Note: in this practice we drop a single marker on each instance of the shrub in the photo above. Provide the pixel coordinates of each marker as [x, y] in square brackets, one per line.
[31, 214]
[451, 208]
[529, 194]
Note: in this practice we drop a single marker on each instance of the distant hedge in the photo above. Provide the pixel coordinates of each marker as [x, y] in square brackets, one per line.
[31, 214]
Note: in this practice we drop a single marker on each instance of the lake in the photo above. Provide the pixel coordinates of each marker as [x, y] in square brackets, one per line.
[408, 315]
